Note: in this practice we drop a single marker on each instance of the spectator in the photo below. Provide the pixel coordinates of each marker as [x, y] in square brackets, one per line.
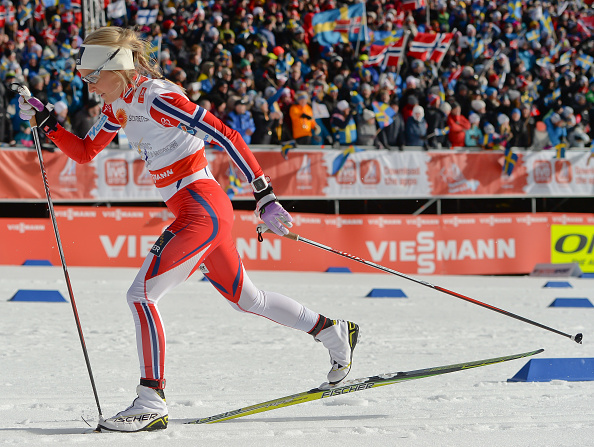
[367, 129]
[241, 120]
[193, 91]
[391, 137]
[262, 121]
[541, 137]
[206, 77]
[37, 88]
[56, 92]
[474, 136]
[61, 111]
[24, 137]
[84, 119]
[504, 130]
[344, 128]
[492, 140]
[556, 129]
[437, 121]
[458, 125]
[302, 119]
[416, 127]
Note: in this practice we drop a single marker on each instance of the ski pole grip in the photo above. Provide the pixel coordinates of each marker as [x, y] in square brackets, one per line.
[21, 90]
[26, 94]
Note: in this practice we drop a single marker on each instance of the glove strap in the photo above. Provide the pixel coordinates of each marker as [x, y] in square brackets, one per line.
[264, 200]
[46, 121]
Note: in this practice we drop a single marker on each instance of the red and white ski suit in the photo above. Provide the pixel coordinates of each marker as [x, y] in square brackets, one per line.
[169, 131]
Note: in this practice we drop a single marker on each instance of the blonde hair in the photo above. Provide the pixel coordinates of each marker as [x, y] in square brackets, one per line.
[114, 36]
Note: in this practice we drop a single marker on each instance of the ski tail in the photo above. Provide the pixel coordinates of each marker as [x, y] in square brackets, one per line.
[351, 386]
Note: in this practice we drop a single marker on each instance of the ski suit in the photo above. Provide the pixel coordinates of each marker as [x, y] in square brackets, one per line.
[169, 132]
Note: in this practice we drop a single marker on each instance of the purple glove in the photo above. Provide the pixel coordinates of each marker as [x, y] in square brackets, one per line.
[33, 107]
[28, 109]
[276, 217]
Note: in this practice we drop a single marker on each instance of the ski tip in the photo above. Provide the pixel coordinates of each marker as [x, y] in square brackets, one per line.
[578, 338]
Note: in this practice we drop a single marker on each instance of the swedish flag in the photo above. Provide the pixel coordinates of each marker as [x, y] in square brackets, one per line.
[565, 58]
[488, 141]
[234, 184]
[547, 24]
[479, 49]
[386, 38]
[286, 147]
[514, 8]
[560, 149]
[585, 61]
[442, 132]
[556, 94]
[384, 114]
[532, 35]
[341, 158]
[509, 161]
[155, 48]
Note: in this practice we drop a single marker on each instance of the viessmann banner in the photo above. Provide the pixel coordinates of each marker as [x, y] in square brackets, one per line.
[120, 175]
[449, 244]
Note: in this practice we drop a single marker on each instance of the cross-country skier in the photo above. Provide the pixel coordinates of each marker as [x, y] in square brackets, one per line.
[169, 132]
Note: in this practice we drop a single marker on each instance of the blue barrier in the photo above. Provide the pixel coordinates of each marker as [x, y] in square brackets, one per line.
[587, 275]
[48, 296]
[338, 270]
[545, 370]
[558, 284]
[571, 302]
[43, 262]
[386, 293]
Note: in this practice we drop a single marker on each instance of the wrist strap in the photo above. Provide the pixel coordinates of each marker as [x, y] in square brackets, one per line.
[260, 194]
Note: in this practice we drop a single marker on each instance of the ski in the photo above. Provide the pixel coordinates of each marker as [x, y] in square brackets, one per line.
[350, 386]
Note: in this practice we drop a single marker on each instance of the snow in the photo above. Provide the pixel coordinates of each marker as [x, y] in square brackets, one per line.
[220, 360]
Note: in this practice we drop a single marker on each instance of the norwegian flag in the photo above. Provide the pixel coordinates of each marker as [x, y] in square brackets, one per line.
[77, 10]
[39, 13]
[441, 47]
[411, 5]
[10, 14]
[430, 46]
[67, 16]
[584, 29]
[376, 55]
[2, 16]
[394, 53]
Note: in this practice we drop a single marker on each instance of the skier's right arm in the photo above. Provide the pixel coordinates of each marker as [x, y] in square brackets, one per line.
[81, 150]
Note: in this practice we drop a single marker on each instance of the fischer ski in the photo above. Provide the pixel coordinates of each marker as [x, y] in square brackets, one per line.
[350, 386]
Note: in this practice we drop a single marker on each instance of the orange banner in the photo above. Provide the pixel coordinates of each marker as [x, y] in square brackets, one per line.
[449, 244]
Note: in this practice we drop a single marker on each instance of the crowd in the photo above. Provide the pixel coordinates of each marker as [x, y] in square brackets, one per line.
[508, 79]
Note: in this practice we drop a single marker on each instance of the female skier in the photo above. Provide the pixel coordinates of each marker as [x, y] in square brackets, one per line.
[169, 132]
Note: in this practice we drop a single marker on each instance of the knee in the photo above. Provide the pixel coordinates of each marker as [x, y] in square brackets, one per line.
[251, 302]
[135, 294]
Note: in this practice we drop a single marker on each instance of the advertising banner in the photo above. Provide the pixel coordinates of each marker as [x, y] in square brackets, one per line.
[449, 244]
[119, 175]
[573, 243]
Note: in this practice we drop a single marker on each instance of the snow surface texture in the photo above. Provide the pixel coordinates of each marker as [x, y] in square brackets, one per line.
[220, 360]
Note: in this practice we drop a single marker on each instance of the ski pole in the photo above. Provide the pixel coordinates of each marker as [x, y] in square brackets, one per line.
[262, 228]
[24, 92]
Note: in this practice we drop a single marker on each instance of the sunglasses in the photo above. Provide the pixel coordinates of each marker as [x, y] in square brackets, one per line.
[94, 76]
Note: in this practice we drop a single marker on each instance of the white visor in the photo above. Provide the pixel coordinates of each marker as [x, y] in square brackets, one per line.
[90, 57]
